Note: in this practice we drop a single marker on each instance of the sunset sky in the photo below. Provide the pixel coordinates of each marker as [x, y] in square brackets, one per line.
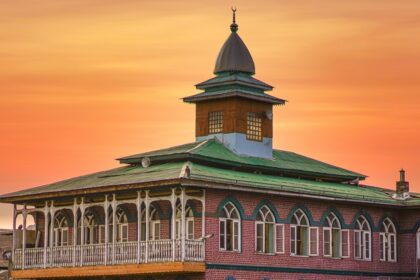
[83, 82]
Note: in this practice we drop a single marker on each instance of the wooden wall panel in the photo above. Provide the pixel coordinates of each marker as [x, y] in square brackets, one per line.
[235, 111]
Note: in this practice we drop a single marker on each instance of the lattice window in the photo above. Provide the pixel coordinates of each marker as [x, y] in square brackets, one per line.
[215, 122]
[254, 127]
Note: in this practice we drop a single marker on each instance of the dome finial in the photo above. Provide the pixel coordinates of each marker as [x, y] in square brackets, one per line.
[233, 26]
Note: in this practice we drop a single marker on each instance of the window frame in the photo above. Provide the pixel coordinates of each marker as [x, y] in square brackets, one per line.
[331, 224]
[365, 238]
[387, 249]
[254, 127]
[264, 223]
[418, 243]
[215, 122]
[236, 229]
[294, 228]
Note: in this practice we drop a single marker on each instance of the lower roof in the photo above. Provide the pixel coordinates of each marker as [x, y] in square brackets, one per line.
[210, 177]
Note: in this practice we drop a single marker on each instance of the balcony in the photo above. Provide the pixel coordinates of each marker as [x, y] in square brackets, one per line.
[112, 235]
[145, 257]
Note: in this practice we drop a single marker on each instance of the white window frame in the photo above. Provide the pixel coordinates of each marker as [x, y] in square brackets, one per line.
[279, 228]
[386, 237]
[418, 243]
[188, 221]
[312, 241]
[236, 223]
[293, 251]
[365, 237]
[263, 223]
[330, 228]
[347, 242]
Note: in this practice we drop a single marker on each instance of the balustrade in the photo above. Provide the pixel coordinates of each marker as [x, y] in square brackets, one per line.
[119, 253]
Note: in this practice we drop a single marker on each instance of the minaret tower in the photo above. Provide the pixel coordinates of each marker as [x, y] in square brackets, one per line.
[233, 106]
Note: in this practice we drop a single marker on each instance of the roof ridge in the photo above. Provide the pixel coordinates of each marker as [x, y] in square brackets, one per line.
[198, 146]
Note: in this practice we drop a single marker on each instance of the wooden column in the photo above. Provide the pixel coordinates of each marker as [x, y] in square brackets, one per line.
[138, 226]
[173, 233]
[82, 229]
[203, 221]
[46, 221]
[106, 206]
[24, 213]
[147, 204]
[114, 226]
[74, 230]
[183, 202]
[52, 214]
[14, 234]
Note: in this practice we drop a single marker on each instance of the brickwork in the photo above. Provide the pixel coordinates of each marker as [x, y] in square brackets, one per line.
[406, 261]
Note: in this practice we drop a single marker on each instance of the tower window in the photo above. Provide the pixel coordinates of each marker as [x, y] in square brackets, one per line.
[254, 127]
[215, 122]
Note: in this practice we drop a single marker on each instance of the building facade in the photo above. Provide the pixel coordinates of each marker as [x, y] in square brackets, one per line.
[227, 206]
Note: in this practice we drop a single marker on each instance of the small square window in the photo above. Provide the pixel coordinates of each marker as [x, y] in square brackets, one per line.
[215, 122]
[254, 127]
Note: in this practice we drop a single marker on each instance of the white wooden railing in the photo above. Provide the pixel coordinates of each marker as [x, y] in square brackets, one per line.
[119, 253]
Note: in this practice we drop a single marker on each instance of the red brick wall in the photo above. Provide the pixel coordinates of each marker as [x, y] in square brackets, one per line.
[406, 241]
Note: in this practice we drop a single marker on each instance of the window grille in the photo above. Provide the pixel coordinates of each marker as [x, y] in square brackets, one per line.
[215, 122]
[254, 127]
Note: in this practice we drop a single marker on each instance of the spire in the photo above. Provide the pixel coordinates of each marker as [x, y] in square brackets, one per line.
[234, 55]
[234, 26]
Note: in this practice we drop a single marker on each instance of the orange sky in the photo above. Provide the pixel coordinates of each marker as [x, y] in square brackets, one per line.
[85, 81]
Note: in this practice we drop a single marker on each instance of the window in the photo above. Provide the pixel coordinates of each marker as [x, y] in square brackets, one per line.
[332, 236]
[90, 228]
[122, 226]
[229, 228]
[264, 231]
[254, 127]
[362, 240]
[388, 242]
[303, 239]
[154, 224]
[215, 122]
[418, 243]
[61, 230]
[189, 222]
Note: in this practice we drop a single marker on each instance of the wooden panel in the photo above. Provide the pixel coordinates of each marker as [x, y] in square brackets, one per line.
[112, 270]
[235, 111]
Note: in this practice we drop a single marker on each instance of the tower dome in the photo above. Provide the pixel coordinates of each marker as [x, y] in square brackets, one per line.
[234, 55]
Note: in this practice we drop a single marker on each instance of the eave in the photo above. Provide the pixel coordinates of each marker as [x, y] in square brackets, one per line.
[204, 97]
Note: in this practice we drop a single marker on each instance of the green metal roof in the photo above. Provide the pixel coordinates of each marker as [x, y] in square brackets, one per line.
[238, 78]
[293, 185]
[212, 151]
[213, 176]
[119, 176]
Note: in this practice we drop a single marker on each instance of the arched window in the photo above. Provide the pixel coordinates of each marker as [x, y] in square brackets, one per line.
[61, 230]
[122, 226]
[230, 226]
[299, 237]
[332, 236]
[154, 224]
[189, 222]
[90, 228]
[388, 241]
[264, 231]
[362, 240]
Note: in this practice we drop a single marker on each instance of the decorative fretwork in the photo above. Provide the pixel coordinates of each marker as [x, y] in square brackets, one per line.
[215, 122]
[254, 127]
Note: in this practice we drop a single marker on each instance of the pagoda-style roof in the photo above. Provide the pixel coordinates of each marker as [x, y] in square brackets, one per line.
[200, 175]
[283, 162]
